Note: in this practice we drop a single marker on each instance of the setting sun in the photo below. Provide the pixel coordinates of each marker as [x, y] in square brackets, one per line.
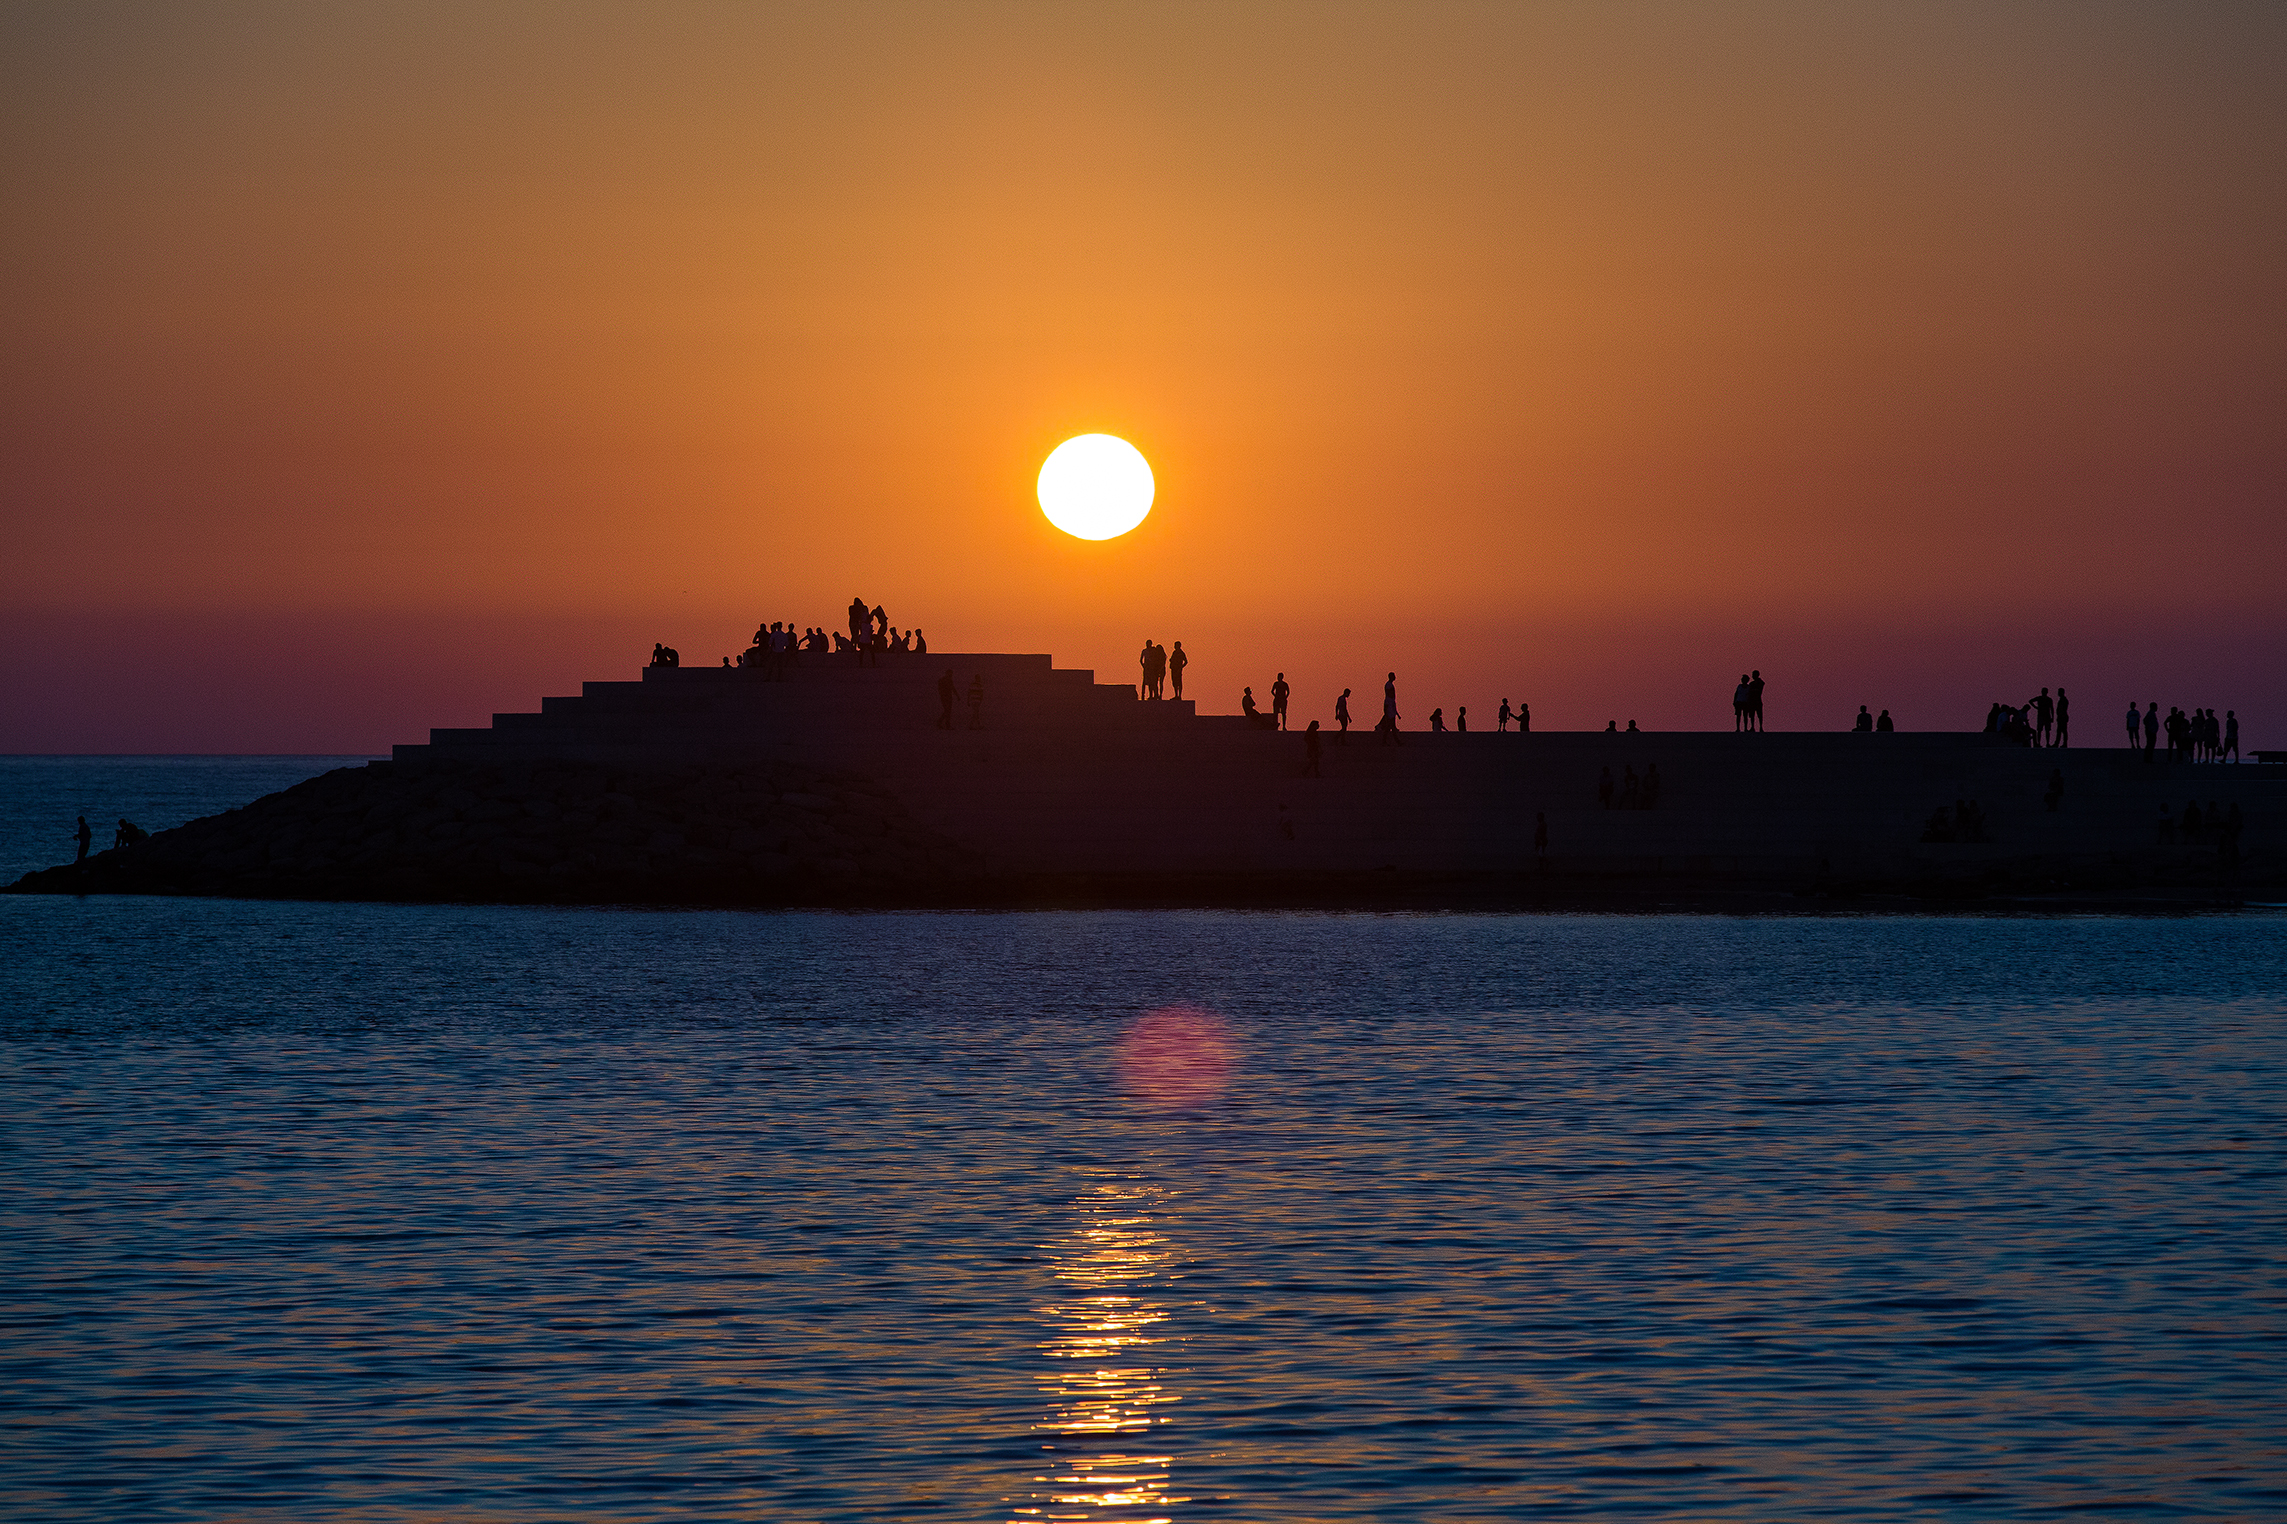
[1095, 487]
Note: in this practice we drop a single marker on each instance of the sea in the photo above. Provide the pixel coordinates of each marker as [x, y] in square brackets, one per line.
[396, 1212]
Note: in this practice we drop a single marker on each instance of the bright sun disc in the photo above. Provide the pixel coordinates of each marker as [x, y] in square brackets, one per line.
[1095, 486]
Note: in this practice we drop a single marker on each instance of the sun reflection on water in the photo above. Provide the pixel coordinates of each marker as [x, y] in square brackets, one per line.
[1105, 1379]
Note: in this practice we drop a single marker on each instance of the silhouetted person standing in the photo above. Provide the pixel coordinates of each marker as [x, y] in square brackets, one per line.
[1279, 692]
[2064, 718]
[977, 702]
[947, 690]
[85, 836]
[1388, 729]
[2230, 738]
[1143, 664]
[1342, 714]
[1310, 745]
[2151, 728]
[1739, 705]
[1501, 720]
[2044, 718]
[1524, 719]
[1755, 699]
[1176, 662]
[2135, 724]
[1461, 720]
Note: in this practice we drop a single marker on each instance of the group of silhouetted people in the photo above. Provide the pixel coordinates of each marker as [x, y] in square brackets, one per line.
[2195, 737]
[1867, 724]
[1746, 702]
[1162, 667]
[127, 834]
[2039, 721]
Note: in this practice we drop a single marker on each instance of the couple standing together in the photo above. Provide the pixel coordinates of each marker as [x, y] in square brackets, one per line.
[1746, 702]
[1159, 664]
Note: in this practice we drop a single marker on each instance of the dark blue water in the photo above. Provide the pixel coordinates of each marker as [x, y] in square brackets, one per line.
[41, 798]
[380, 1213]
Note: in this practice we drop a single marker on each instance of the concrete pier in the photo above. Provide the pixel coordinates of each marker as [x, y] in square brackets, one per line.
[1070, 777]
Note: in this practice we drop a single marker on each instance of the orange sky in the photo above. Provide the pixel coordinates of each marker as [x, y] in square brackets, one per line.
[1913, 354]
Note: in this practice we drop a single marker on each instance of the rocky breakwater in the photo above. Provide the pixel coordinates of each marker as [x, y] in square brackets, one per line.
[567, 832]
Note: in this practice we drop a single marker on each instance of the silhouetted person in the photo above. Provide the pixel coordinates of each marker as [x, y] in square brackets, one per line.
[920, 643]
[1279, 692]
[129, 833]
[1143, 664]
[1604, 788]
[2064, 718]
[947, 690]
[1255, 717]
[977, 702]
[1524, 718]
[1342, 715]
[1632, 730]
[1176, 662]
[2151, 728]
[1864, 724]
[1755, 699]
[1310, 744]
[1437, 721]
[2230, 738]
[2044, 717]
[1739, 705]
[1501, 720]
[1611, 727]
[1540, 836]
[1388, 729]
[1882, 725]
[1461, 720]
[85, 836]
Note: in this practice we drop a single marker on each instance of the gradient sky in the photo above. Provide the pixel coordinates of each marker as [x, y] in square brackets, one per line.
[367, 368]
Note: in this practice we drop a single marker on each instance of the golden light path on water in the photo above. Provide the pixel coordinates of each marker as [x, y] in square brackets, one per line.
[1108, 1390]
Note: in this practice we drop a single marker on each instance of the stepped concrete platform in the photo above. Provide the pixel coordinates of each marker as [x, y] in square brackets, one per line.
[1066, 777]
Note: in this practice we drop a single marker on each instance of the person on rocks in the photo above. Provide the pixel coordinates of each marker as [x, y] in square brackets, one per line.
[1632, 730]
[977, 702]
[84, 837]
[2044, 717]
[2135, 724]
[1882, 725]
[1342, 716]
[1176, 662]
[947, 690]
[1279, 692]
[1310, 746]
[1611, 727]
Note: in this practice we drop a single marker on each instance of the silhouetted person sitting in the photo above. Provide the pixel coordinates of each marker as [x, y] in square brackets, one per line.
[129, 834]
[1310, 745]
[1611, 727]
[947, 690]
[1864, 724]
[1437, 721]
[2056, 792]
[1279, 692]
[1604, 788]
[1882, 725]
[1176, 662]
[658, 654]
[977, 702]
[84, 836]
[1342, 716]
[920, 643]
[1632, 730]
[1255, 717]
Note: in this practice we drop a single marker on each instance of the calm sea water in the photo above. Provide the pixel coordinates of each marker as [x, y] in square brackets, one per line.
[388, 1212]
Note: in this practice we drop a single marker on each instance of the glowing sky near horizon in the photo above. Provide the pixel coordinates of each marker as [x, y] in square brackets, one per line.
[1590, 351]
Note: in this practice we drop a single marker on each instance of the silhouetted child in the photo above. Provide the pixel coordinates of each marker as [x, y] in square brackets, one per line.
[1501, 720]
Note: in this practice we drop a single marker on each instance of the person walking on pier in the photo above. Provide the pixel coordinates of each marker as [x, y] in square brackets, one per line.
[2064, 718]
[1279, 693]
[1388, 729]
[1310, 745]
[84, 837]
[1176, 662]
[947, 690]
[1342, 716]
